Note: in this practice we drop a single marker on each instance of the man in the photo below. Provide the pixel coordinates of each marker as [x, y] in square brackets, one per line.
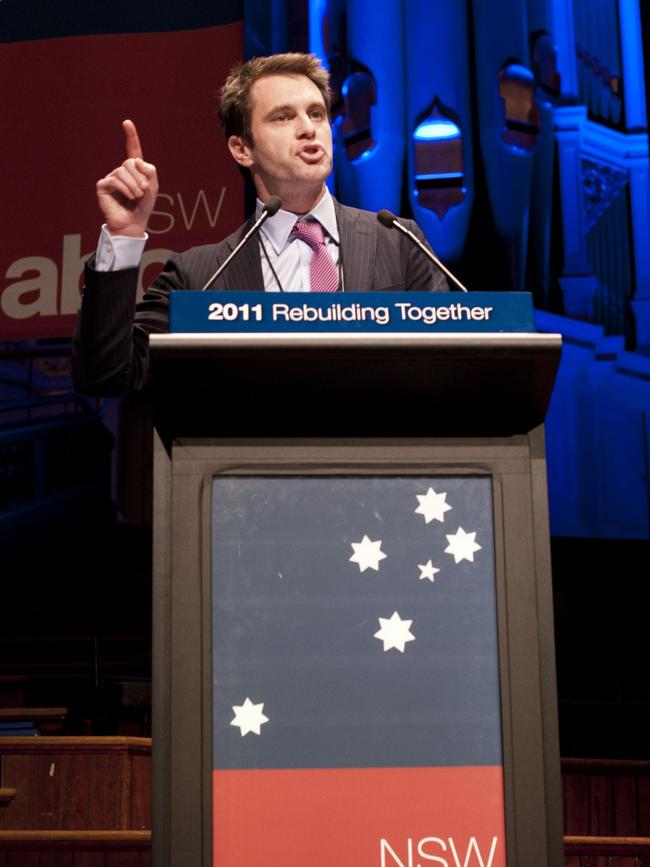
[275, 114]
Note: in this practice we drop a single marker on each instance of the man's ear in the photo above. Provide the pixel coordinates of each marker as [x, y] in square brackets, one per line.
[242, 152]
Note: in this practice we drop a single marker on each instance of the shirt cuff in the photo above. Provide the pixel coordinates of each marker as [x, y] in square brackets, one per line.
[118, 252]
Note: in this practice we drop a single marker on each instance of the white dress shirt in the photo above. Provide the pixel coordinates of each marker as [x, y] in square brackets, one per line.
[285, 258]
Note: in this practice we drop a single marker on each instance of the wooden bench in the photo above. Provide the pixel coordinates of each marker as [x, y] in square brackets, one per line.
[76, 783]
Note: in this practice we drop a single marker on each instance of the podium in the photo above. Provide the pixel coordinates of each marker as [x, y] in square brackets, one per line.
[353, 635]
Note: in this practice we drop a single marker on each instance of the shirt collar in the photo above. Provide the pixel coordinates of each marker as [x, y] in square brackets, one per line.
[278, 228]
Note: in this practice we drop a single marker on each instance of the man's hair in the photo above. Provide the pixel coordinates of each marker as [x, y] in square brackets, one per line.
[234, 102]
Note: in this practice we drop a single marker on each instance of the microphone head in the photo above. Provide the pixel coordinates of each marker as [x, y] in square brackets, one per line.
[272, 205]
[386, 218]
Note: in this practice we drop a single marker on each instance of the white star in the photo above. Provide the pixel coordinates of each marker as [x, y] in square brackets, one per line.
[394, 632]
[367, 554]
[428, 571]
[462, 545]
[432, 506]
[249, 717]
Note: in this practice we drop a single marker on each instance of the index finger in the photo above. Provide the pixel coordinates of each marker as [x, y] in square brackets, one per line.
[132, 140]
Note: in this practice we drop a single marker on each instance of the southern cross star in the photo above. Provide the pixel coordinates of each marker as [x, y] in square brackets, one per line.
[394, 632]
[462, 545]
[367, 554]
[433, 506]
[428, 570]
[249, 717]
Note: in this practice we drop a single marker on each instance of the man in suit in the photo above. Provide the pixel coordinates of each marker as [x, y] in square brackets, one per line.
[275, 114]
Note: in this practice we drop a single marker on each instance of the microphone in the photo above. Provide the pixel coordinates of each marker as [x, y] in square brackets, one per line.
[391, 222]
[271, 207]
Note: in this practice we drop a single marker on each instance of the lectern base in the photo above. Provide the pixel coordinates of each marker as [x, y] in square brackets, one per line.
[354, 653]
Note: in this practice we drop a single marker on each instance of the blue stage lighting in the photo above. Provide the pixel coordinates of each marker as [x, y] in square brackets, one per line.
[436, 129]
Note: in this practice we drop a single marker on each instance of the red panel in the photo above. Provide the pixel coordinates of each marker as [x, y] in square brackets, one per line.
[389, 817]
[60, 125]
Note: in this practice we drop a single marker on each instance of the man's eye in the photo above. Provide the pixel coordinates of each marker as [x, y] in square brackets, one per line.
[282, 116]
[318, 113]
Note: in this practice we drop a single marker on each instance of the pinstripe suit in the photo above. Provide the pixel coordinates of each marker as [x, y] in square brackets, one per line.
[111, 341]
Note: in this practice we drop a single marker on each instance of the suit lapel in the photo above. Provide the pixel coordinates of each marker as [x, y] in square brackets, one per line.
[358, 236]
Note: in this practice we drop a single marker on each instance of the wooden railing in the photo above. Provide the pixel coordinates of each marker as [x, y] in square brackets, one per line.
[607, 851]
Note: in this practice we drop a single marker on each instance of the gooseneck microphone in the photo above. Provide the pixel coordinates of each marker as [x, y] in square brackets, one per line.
[271, 206]
[391, 222]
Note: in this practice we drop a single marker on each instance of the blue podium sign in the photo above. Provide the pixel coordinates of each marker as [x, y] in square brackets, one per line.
[389, 312]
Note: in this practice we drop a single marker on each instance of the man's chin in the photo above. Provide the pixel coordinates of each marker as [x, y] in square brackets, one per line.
[317, 171]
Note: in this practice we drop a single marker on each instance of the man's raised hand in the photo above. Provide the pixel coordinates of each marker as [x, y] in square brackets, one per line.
[127, 195]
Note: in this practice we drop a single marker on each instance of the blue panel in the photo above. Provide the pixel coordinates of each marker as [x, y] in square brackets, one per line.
[46, 19]
[634, 79]
[374, 40]
[389, 312]
[317, 25]
[297, 622]
[501, 36]
[599, 65]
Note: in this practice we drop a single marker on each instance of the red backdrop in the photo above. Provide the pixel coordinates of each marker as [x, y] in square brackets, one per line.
[61, 131]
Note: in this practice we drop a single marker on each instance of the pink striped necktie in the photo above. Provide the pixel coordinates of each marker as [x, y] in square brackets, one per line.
[323, 273]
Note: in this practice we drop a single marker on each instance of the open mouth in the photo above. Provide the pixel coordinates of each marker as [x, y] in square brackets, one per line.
[311, 153]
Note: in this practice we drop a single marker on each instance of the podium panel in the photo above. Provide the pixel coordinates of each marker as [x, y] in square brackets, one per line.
[317, 702]
[356, 696]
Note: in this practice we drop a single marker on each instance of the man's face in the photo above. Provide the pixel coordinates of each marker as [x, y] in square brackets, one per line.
[291, 151]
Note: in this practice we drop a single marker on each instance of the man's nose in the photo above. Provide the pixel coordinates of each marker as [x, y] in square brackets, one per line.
[306, 127]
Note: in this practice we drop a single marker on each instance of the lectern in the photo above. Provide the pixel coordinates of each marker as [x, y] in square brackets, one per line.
[353, 642]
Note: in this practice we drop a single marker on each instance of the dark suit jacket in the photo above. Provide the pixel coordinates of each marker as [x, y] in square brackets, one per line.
[111, 341]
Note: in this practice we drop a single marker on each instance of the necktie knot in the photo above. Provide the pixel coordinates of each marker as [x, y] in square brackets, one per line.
[309, 231]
